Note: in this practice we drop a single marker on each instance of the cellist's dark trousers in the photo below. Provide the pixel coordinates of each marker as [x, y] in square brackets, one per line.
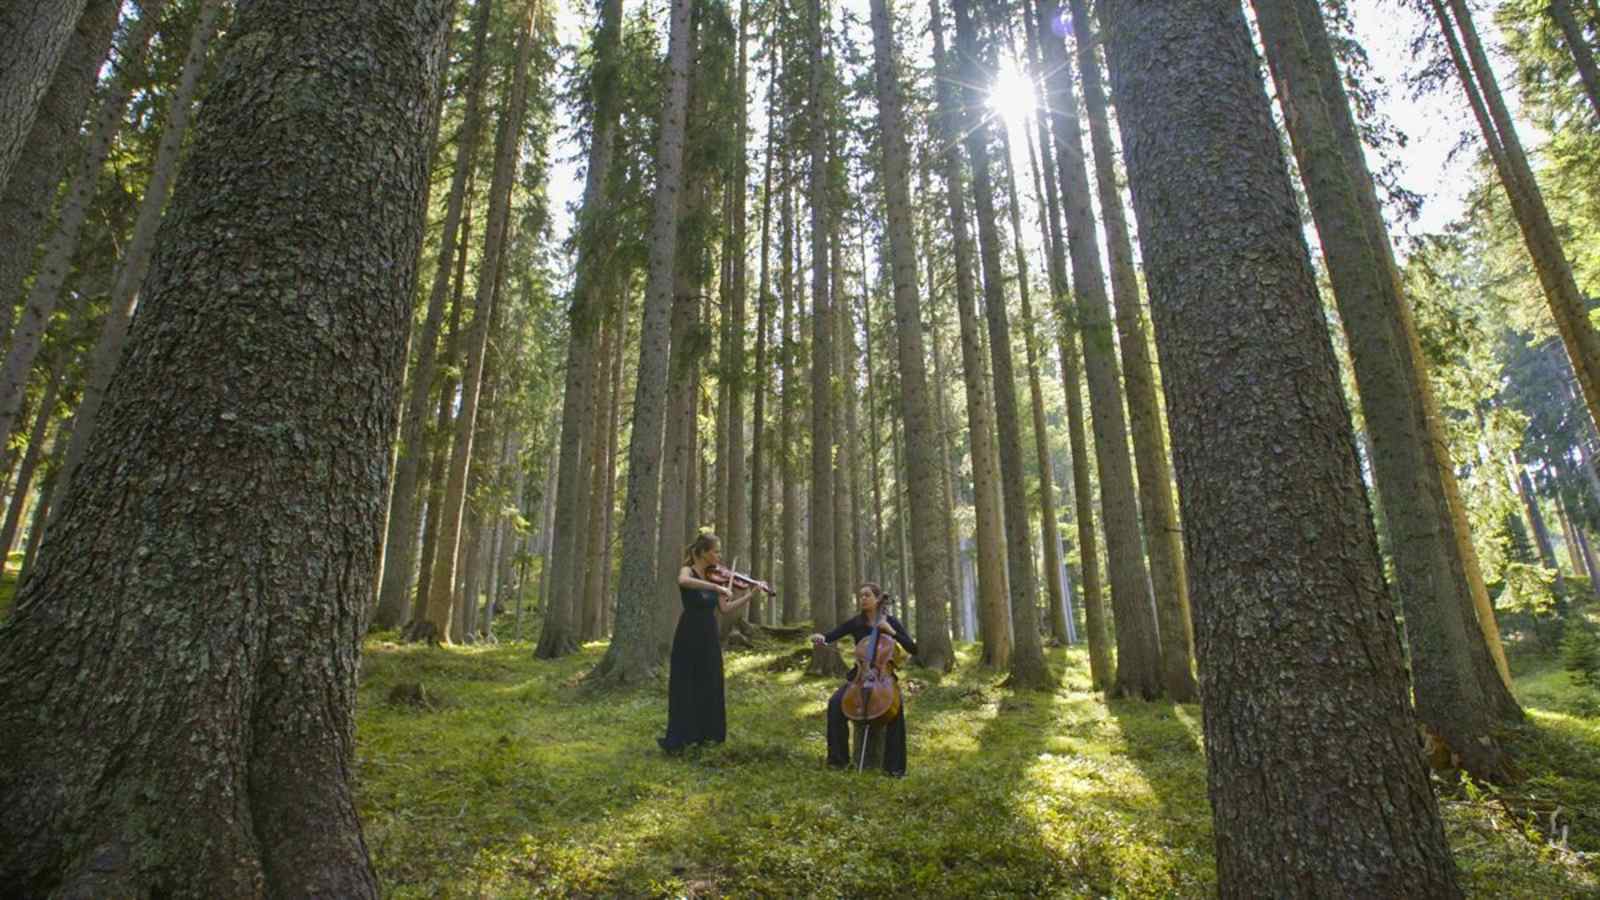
[894, 751]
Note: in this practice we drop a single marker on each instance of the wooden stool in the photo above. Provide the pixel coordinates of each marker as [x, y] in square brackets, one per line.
[877, 740]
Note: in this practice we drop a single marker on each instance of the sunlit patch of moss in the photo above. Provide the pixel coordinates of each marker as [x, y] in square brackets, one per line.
[525, 782]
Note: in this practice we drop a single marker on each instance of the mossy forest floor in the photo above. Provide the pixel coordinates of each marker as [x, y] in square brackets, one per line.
[517, 779]
[521, 780]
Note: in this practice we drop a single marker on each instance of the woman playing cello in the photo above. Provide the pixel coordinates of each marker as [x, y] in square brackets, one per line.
[871, 618]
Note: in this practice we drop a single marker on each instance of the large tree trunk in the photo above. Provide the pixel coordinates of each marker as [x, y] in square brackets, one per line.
[1162, 537]
[507, 142]
[634, 652]
[930, 524]
[993, 591]
[1431, 577]
[561, 622]
[34, 35]
[1139, 657]
[135, 262]
[1567, 303]
[1028, 668]
[29, 197]
[400, 543]
[1099, 637]
[1288, 587]
[1578, 45]
[216, 556]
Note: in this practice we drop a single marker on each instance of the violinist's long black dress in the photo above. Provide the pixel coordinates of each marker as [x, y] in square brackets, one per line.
[894, 750]
[696, 709]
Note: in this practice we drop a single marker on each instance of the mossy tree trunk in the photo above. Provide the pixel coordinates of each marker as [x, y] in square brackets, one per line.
[213, 564]
[34, 35]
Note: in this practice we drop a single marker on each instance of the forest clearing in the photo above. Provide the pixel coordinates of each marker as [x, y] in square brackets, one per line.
[522, 447]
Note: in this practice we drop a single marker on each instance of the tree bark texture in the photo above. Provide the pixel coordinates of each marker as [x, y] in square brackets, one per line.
[1293, 627]
[180, 671]
[34, 35]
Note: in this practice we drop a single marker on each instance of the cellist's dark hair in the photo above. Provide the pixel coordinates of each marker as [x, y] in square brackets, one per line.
[703, 542]
[877, 591]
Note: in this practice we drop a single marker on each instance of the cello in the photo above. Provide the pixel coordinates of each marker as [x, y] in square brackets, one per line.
[873, 696]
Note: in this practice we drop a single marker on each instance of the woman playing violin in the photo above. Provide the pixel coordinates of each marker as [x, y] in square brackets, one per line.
[696, 707]
[873, 617]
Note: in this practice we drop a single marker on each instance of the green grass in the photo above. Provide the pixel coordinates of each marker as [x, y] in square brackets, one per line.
[524, 782]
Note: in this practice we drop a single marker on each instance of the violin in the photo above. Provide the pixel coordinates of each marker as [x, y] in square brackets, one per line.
[873, 695]
[718, 574]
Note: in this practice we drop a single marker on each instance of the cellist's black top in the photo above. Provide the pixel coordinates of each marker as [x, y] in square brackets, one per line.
[858, 628]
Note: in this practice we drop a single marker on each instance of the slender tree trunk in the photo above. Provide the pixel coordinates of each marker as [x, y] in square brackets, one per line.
[824, 660]
[635, 652]
[1162, 537]
[40, 523]
[734, 371]
[842, 385]
[197, 605]
[592, 627]
[400, 545]
[930, 522]
[440, 440]
[947, 477]
[1099, 638]
[788, 424]
[1567, 303]
[1049, 539]
[1287, 581]
[507, 143]
[1578, 45]
[1407, 461]
[34, 36]
[993, 591]
[1139, 656]
[30, 460]
[29, 197]
[758, 536]
[561, 623]
[1028, 668]
[609, 494]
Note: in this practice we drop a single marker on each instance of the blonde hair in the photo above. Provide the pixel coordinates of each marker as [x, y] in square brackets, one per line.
[704, 542]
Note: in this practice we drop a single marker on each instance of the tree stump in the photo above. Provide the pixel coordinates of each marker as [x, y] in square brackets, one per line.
[877, 740]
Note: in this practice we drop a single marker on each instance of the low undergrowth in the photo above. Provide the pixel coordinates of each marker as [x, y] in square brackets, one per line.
[516, 779]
